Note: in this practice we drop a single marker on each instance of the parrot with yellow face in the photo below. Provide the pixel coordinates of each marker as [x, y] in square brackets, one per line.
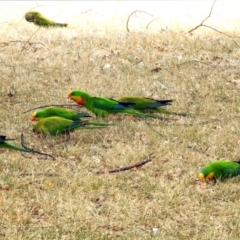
[64, 113]
[59, 125]
[219, 169]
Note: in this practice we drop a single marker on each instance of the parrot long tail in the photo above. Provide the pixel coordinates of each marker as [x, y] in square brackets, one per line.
[84, 125]
[61, 24]
[164, 111]
[99, 124]
[9, 146]
[138, 113]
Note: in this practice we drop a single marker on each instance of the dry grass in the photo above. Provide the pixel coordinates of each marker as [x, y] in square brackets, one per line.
[75, 203]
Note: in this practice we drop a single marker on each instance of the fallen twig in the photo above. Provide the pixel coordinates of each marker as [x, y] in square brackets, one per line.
[34, 151]
[220, 33]
[121, 169]
[151, 22]
[131, 15]
[27, 42]
[201, 24]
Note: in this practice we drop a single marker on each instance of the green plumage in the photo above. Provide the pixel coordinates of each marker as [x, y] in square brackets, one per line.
[4, 144]
[58, 112]
[58, 125]
[220, 169]
[103, 106]
[64, 113]
[39, 20]
[149, 105]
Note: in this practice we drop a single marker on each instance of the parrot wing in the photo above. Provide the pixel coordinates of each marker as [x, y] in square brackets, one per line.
[40, 20]
[149, 105]
[143, 103]
[109, 104]
[83, 125]
[81, 115]
[57, 112]
[52, 125]
[58, 125]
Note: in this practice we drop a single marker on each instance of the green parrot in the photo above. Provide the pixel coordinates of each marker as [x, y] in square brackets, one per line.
[58, 112]
[64, 113]
[149, 105]
[103, 106]
[39, 20]
[4, 144]
[58, 125]
[219, 169]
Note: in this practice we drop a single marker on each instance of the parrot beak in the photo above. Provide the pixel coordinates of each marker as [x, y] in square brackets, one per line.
[69, 95]
[201, 177]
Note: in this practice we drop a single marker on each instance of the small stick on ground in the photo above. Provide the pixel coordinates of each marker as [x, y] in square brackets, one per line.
[131, 15]
[151, 22]
[27, 42]
[201, 24]
[121, 169]
[220, 33]
[34, 151]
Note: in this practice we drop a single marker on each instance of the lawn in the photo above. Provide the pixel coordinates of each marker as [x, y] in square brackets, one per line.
[66, 198]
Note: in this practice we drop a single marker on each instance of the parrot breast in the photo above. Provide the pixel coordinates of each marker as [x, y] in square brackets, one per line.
[78, 100]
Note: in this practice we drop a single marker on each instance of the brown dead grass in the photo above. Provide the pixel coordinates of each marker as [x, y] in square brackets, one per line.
[65, 199]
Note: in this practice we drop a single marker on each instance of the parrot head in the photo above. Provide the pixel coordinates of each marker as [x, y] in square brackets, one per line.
[30, 16]
[203, 177]
[35, 117]
[76, 96]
